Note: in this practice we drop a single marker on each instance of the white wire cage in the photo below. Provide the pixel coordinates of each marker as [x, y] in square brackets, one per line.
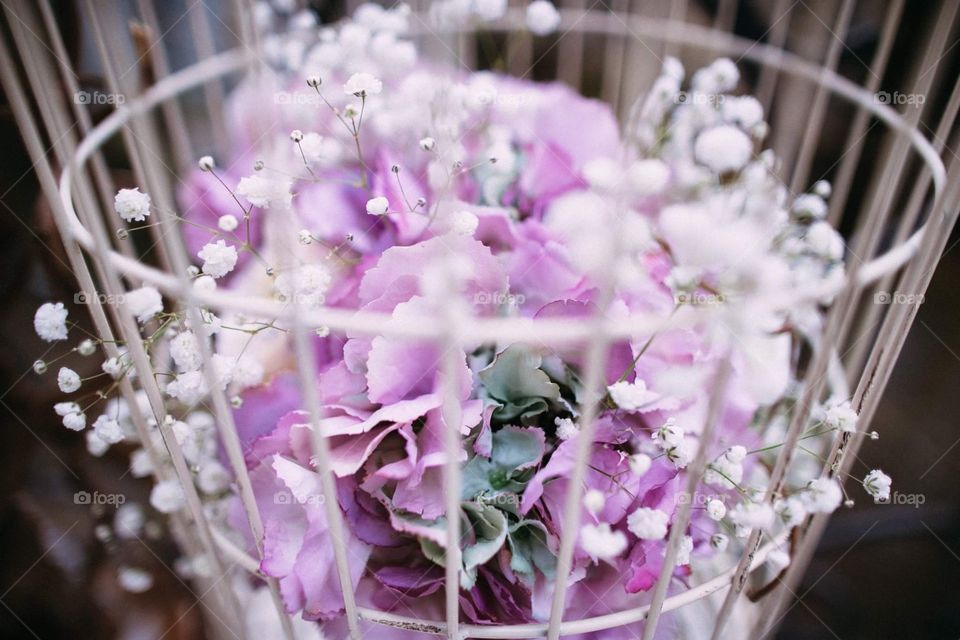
[896, 208]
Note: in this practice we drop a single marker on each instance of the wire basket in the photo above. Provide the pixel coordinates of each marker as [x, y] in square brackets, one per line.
[896, 209]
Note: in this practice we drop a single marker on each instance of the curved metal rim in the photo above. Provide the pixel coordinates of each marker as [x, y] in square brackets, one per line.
[532, 630]
[479, 329]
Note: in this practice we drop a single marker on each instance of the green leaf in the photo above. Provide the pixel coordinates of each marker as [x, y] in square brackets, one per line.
[515, 375]
[516, 449]
[531, 548]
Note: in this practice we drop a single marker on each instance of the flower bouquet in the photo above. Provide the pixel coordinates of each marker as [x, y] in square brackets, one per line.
[361, 178]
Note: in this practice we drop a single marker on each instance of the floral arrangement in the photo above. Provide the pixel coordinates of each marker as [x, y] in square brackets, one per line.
[366, 179]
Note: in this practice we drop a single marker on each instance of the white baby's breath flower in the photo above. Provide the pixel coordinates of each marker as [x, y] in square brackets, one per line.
[185, 351]
[131, 205]
[205, 284]
[113, 367]
[228, 222]
[167, 496]
[50, 321]
[682, 454]
[594, 500]
[601, 542]
[96, 446]
[108, 429]
[464, 223]
[427, 144]
[219, 258]
[716, 510]
[318, 149]
[648, 177]
[877, 484]
[66, 408]
[264, 192]
[631, 396]
[841, 416]
[143, 303]
[727, 470]
[140, 464]
[75, 421]
[723, 149]
[213, 478]
[68, 380]
[683, 553]
[206, 163]
[134, 580]
[810, 205]
[822, 495]
[744, 111]
[566, 428]
[304, 285]
[128, 521]
[189, 387]
[670, 434]
[542, 17]
[362, 84]
[490, 9]
[640, 463]
[377, 206]
[753, 515]
[648, 524]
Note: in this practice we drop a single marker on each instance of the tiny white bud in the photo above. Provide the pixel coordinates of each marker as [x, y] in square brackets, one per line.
[377, 206]
[593, 500]
[314, 81]
[428, 143]
[87, 348]
[296, 135]
[228, 222]
[206, 163]
[305, 236]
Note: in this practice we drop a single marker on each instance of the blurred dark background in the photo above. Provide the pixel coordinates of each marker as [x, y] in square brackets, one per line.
[881, 571]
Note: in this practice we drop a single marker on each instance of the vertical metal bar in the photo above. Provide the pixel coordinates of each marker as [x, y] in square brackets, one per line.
[172, 113]
[769, 73]
[212, 91]
[818, 110]
[853, 148]
[694, 474]
[306, 365]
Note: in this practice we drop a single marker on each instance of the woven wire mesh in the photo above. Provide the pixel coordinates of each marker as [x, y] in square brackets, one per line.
[896, 209]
